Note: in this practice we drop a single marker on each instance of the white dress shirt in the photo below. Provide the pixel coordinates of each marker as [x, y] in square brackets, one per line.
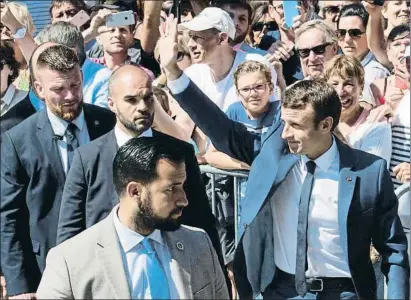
[11, 98]
[122, 137]
[131, 250]
[324, 254]
[59, 128]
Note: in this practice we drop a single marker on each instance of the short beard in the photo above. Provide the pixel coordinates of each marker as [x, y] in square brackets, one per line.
[146, 220]
[239, 39]
[67, 116]
[132, 127]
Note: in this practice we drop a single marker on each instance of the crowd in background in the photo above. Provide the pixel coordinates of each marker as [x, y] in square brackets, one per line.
[73, 96]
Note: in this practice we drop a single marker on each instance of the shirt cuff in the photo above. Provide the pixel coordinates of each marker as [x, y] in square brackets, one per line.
[179, 85]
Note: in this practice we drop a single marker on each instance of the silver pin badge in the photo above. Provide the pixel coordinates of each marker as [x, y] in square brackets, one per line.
[180, 246]
[96, 123]
[349, 179]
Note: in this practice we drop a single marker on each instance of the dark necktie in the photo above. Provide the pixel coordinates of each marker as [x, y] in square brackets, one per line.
[301, 264]
[72, 143]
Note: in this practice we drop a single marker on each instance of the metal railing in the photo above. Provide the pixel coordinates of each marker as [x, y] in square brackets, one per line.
[236, 174]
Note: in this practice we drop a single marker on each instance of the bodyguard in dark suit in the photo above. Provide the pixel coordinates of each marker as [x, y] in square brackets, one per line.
[89, 193]
[16, 114]
[311, 209]
[36, 155]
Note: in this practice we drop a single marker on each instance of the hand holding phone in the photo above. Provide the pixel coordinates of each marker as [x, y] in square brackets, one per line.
[80, 18]
[121, 19]
[290, 12]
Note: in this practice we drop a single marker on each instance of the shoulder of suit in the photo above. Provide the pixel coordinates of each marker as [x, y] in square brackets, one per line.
[363, 159]
[28, 124]
[95, 110]
[187, 230]
[96, 145]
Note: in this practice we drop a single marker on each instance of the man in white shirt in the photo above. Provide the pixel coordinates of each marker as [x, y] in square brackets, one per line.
[311, 209]
[140, 251]
[9, 69]
[212, 35]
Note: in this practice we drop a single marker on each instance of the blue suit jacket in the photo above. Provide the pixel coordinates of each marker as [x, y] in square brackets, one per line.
[367, 210]
[32, 181]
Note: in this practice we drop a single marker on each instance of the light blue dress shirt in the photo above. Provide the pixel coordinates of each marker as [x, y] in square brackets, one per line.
[132, 253]
[95, 85]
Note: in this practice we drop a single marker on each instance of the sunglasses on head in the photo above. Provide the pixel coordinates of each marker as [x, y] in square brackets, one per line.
[353, 33]
[320, 49]
[332, 9]
[271, 26]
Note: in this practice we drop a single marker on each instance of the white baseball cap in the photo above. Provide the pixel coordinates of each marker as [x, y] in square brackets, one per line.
[212, 17]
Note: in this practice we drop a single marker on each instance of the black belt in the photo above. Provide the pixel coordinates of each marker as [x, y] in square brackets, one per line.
[320, 284]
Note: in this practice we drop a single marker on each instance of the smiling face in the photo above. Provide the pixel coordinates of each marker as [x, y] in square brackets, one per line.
[349, 90]
[62, 92]
[254, 91]
[314, 64]
[202, 46]
[396, 49]
[397, 12]
[350, 45]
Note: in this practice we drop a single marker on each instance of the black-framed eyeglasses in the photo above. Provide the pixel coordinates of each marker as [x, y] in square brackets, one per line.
[259, 26]
[318, 50]
[353, 33]
[332, 9]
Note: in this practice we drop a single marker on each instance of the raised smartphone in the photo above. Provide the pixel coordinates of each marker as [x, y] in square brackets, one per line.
[80, 18]
[290, 11]
[121, 19]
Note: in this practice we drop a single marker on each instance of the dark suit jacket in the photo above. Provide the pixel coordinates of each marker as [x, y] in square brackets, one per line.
[89, 194]
[32, 181]
[16, 114]
[367, 209]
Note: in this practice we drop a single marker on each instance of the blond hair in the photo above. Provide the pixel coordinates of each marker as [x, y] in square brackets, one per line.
[329, 33]
[22, 14]
[345, 67]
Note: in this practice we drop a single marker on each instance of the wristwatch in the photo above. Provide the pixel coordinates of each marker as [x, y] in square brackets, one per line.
[20, 33]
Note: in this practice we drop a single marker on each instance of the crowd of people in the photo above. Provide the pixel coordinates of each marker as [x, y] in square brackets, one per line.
[104, 128]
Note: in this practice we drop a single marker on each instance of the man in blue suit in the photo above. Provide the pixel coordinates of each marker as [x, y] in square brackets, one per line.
[313, 205]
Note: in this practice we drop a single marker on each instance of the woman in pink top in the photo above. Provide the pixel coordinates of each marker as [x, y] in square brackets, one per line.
[346, 75]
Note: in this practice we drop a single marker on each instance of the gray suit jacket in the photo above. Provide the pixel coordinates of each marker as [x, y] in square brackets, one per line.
[89, 266]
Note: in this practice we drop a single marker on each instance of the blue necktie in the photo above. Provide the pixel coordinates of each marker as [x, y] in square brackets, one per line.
[156, 277]
[301, 264]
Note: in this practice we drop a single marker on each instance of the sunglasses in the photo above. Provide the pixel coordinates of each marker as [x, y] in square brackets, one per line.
[332, 9]
[353, 33]
[271, 26]
[318, 50]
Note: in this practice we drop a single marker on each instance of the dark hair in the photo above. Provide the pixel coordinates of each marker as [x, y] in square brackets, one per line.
[137, 160]
[235, 4]
[317, 93]
[78, 4]
[259, 12]
[58, 58]
[7, 58]
[64, 33]
[399, 31]
[354, 10]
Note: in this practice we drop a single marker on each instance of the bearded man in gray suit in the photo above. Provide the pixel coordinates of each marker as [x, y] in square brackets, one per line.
[140, 250]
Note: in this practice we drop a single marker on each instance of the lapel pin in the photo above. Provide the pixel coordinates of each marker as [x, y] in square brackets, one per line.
[349, 179]
[180, 246]
[96, 123]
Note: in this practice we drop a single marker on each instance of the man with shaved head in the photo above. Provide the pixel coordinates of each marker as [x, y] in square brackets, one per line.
[36, 156]
[89, 194]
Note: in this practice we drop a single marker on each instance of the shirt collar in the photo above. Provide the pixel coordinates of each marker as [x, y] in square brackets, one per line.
[59, 125]
[122, 137]
[8, 96]
[129, 238]
[367, 59]
[325, 161]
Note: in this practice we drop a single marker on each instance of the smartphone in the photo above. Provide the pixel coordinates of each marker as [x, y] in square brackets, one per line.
[121, 19]
[379, 2]
[80, 18]
[290, 11]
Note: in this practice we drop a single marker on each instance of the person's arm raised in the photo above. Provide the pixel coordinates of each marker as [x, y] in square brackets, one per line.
[151, 22]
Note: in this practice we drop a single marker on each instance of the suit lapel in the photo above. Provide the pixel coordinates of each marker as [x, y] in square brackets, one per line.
[93, 124]
[346, 189]
[110, 147]
[180, 264]
[108, 252]
[45, 135]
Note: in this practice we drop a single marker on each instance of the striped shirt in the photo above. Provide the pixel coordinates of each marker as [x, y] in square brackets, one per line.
[400, 136]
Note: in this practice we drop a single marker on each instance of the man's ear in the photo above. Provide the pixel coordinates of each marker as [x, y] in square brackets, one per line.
[326, 124]
[223, 38]
[134, 190]
[112, 105]
[39, 89]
